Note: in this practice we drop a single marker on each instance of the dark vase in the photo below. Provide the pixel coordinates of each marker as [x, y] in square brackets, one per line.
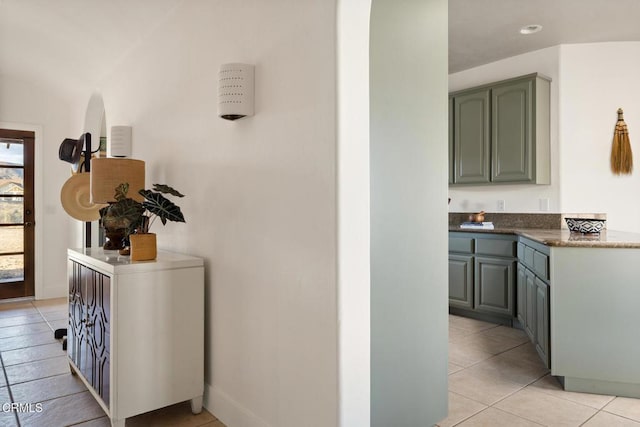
[114, 238]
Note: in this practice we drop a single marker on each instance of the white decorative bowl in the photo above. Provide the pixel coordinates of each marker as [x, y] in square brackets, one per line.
[585, 225]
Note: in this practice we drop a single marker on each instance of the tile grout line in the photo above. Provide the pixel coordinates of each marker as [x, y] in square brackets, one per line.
[587, 420]
[542, 390]
[4, 370]
[490, 357]
[86, 421]
[472, 415]
[51, 331]
[497, 409]
[618, 415]
[6, 378]
[537, 379]
[522, 387]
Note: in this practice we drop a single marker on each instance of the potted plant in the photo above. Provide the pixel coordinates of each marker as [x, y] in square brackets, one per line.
[136, 218]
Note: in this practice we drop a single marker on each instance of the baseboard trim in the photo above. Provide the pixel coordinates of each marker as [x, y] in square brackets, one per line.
[612, 388]
[492, 318]
[230, 412]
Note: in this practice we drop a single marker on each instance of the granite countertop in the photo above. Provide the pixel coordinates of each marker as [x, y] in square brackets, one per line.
[564, 238]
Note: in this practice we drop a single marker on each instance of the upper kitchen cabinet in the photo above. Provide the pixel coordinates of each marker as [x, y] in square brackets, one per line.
[471, 133]
[500, 133]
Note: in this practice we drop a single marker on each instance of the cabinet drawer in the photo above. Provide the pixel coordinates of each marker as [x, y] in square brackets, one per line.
[461, 244]
[506, 248]
[521, 247]
[541, 265]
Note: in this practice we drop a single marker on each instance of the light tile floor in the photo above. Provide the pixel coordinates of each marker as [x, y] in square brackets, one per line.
[35, 370]
[497, 379]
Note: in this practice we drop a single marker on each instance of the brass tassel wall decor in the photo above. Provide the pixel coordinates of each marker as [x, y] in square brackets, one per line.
[621, 156]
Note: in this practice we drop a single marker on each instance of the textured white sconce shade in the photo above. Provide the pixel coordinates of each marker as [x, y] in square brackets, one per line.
[107, 173]
[235, 91]
[120, 143]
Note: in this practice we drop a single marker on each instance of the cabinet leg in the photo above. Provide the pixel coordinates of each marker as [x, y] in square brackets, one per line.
[196, 405]
[117, 423]
[73, 371]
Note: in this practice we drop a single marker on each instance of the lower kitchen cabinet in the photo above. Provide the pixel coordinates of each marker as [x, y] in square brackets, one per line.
[533, 311]
[461, 280]
[521, 290]
[502, 278]
[136, 330]
[494, 285]
[482, 268]
[530, 305]
[542, 321]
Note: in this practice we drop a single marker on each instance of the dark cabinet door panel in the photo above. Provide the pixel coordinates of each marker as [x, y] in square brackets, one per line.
[521, 295]
[88, 333]
[493, 291]
[542, 320]
[530, 318]
[471, 135]
[511, 139]
[461, 281]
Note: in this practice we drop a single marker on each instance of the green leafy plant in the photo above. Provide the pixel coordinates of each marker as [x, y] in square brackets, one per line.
[131, 215]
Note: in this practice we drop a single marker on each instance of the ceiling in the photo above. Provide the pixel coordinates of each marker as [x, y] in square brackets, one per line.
[68, 45]
[483, 31]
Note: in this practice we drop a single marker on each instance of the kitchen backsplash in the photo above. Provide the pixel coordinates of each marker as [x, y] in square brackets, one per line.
[524, 220]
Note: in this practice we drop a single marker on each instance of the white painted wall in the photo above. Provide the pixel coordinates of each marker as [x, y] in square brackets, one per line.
[518, 198]
[28, 106]
[261, 199]
[596, 80]
[354, 264]
[408, 212]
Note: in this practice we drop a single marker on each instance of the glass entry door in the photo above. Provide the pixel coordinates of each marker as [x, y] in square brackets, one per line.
[16, 214]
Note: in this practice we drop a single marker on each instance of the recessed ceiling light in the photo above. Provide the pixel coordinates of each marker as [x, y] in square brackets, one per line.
[530, 29]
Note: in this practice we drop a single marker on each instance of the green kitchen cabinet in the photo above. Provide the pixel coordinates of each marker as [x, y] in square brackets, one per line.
[461, 248]
[461, 280]
[494, 285]
[542, 320]
[499, 133]
[512, 124]
[450, 140]
[521, 289]
[471, 133]
[533, 312]
[482, 276]
[530, 304]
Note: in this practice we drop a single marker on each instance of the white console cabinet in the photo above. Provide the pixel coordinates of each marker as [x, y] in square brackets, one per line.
[136, 330]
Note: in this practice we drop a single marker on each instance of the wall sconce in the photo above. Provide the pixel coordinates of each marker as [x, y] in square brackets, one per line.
[107, 173]
[235, 91]
[120, 142]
